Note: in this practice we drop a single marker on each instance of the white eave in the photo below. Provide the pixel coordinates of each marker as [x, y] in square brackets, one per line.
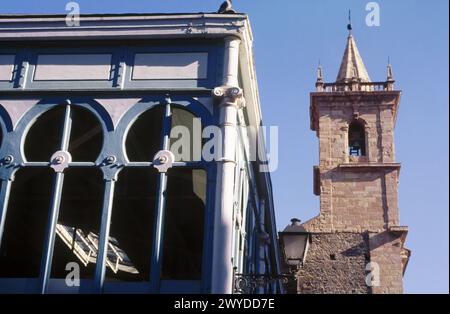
[248, 76]
[149, 26]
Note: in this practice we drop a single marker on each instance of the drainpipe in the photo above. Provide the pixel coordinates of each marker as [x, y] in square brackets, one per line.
[229, 99]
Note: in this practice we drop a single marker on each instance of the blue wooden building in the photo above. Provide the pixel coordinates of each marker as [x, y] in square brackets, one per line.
[97, 194]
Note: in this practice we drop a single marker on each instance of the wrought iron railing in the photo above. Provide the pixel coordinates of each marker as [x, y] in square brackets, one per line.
[261, 283]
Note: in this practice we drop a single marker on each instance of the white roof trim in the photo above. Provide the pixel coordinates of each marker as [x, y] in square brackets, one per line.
[26, 27]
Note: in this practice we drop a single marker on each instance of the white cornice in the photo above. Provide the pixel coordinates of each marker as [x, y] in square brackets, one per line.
[27, 27]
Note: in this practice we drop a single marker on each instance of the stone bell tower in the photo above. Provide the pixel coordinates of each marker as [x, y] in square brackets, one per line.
[357, 243]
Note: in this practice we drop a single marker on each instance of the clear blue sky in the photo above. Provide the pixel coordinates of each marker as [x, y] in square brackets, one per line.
[290, 37]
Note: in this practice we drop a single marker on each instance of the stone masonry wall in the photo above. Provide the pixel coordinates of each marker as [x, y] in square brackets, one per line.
[385, 253]
[356, 201]
[334, 120]
[335, 264]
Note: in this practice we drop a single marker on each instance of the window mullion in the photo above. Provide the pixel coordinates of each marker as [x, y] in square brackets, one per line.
[51, 231]
[167, 126]
[4, 198]
[103, 243]
[54, 207]
[66, 129]
[158, 236]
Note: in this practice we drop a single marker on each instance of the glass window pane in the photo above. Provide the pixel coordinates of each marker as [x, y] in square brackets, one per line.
[86, 136]
[44, 136]
[78, 225]
[26, 223]
[144, 138]
[184, 224]
[132, 224]
[184, 137]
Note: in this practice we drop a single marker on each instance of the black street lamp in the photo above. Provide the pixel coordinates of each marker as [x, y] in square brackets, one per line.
[295, 243]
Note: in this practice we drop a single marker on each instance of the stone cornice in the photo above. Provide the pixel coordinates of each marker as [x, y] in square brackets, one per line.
[365, 166]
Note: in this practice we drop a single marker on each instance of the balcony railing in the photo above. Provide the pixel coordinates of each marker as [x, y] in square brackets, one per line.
[355, 87]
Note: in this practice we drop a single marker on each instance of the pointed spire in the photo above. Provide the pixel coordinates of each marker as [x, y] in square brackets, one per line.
[352, 66]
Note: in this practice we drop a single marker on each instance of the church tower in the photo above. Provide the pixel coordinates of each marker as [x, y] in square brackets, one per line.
[357, 243]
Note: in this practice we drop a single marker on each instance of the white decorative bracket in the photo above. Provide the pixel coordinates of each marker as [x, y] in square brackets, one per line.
[60, 160]
[163, 160]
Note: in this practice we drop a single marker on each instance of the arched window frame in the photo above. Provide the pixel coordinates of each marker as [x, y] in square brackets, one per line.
[361, 123]
[113, 145]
